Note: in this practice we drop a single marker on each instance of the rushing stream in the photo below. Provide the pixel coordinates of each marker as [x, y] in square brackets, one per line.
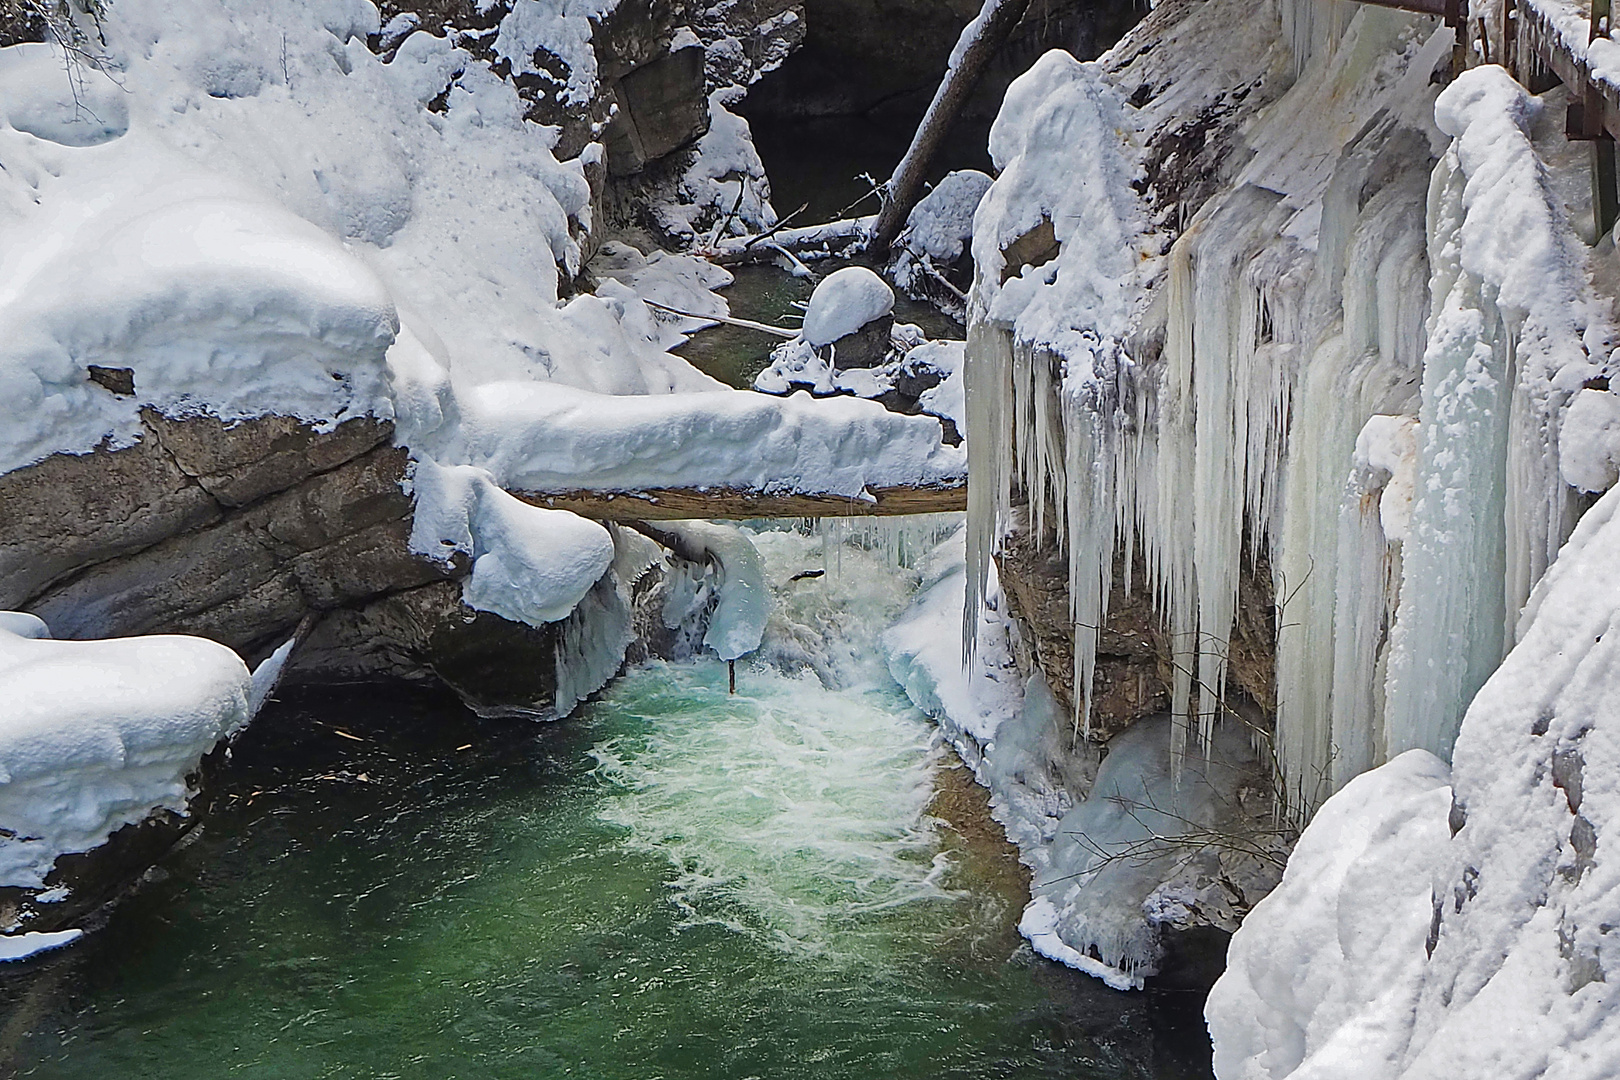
[795, 881]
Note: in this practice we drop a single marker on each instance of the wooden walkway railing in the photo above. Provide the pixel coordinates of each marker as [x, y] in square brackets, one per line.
[1542, 38]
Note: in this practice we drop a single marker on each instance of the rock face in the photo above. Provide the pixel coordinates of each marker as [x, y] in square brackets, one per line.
[855, 61]
[238, 532]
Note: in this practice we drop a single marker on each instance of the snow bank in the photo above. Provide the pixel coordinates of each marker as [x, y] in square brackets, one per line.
[96, 735]
[843, 302]
[1421, 936]
[1347, 926]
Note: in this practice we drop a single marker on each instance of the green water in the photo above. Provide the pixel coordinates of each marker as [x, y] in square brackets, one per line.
[676, 883]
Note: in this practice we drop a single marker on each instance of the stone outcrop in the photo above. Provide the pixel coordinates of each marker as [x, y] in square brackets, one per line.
[237, 532]
[855, 63]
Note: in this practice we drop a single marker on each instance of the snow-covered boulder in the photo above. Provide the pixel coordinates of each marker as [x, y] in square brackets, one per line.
[851, 312]
[96, 735]
[938, 233]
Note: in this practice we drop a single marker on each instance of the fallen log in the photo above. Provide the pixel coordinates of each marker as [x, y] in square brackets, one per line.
[841, 237]
[981, 39]
[735, 504]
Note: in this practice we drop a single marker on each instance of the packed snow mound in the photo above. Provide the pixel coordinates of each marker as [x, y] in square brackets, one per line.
[1482, 949]
[96, 735]
[845, 301]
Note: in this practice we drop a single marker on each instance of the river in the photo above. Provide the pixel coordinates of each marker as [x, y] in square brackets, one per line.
[795, 881]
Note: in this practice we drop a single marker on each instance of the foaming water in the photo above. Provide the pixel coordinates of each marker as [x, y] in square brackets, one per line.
[815, 822]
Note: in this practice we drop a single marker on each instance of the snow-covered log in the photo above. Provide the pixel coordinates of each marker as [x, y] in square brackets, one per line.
[741, 504]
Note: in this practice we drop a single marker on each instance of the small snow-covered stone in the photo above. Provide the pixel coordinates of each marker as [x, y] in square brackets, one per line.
[844, 302]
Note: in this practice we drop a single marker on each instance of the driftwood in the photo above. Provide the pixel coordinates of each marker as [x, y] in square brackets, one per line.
[980, 41]
[680, 504]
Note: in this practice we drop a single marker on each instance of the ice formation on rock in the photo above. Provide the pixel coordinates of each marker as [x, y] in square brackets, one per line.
[1344, 368]
[1426, 930]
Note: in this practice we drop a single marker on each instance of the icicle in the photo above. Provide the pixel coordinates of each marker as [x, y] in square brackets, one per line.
[988, 391]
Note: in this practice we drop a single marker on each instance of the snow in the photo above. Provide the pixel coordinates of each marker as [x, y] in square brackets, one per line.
[99, 734]
[1039, 923]
[1346, 928]
[1589, 441]
[33, 78]
[529, 564]
[22, 946]
[797, 365]
[1421, 933]
[843, 302]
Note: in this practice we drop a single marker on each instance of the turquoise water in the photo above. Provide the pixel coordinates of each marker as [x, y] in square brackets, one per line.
[673, 883]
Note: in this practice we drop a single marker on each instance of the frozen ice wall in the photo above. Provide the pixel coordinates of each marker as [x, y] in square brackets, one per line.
[1204, 406]
[1335, 355]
